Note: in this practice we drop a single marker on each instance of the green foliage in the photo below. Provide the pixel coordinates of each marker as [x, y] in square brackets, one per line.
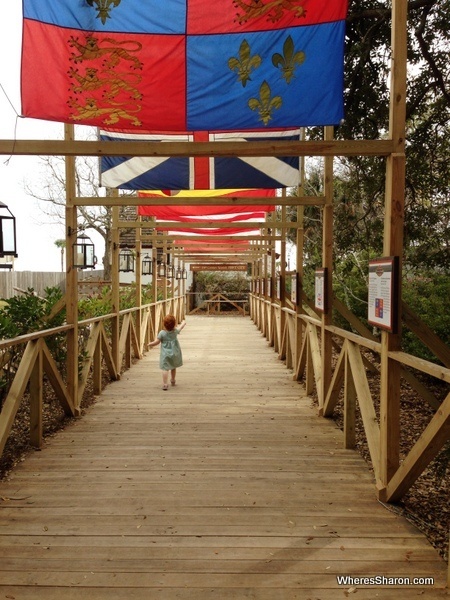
[232, 285]
[26, 314]
[29, 313]
[100, 304]
[428, 295]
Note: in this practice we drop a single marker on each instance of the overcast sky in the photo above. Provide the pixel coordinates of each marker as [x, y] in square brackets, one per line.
[36, 236]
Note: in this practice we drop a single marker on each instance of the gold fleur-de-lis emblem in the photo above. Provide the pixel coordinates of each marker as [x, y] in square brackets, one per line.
[245, 63]
[289, 60]
[265, 105]
[104, 8]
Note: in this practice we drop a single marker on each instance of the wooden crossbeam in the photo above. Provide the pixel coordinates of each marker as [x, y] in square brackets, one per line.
[210, 149]
[187, 201]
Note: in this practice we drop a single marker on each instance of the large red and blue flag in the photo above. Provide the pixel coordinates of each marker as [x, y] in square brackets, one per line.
[199, 173]
[184, 65]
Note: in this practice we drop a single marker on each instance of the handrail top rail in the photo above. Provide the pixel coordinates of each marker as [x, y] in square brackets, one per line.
[35, 335]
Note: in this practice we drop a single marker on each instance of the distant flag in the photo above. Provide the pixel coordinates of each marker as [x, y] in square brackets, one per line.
[184, 65]
[180, 216]
[184, 209]
[139, 173]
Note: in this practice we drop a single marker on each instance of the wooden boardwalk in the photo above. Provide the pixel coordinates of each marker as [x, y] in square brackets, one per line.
[227, 486]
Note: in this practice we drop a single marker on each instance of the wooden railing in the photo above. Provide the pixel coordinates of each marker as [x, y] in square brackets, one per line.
[213, 303]
[297, 340]
[137, 327]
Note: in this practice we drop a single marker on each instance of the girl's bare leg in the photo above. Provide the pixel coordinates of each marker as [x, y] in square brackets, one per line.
[165, 378]
[173, 374]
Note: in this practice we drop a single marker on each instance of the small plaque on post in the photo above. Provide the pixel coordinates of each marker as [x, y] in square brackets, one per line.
[294, 288]
[320, 287]
[383, 293]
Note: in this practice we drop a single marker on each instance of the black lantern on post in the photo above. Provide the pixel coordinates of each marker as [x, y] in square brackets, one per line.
[126, 261]
[184, 273]
[147, 265]
[161, 269]
[7, 232]
[83, 253]
[170, 271]
[178, 274]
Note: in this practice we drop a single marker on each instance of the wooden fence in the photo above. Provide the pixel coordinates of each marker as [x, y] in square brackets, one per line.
[112, 339]
[297, 338]
[13, 283]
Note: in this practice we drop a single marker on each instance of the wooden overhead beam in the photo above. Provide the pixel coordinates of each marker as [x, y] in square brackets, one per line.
[184, 200]
[175, 149]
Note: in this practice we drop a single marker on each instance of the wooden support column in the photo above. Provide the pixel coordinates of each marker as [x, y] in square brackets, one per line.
[349, 407]
[115, 285]
[281, 353]
[300, 242]
[165, 278]
[155, 271]
[71, 275]
[252, 287]
[327, 262]
[183, 289]
[36, 399]
[273, 268]
[139, 287]
[265, 261]
[97, 368]
[393, 246]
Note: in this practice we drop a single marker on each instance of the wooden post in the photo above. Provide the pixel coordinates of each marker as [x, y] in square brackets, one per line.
[349, 407]
[139, 286]
[327, 261]
[300, 241]
[183, 291]
[281, 353]
[273, 266]
[264, 267]
[165, 278]
[115, 285]
[393, 246]
[71, 275]
[97, 368]
[36, 398]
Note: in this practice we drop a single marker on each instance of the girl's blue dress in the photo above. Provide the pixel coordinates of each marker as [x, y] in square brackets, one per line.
[170, 356]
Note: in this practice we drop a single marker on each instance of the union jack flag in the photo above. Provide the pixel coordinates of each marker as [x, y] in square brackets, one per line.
[156, 173]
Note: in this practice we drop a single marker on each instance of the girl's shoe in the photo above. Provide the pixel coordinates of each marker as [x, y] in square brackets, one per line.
[172, 381]
[165, 387]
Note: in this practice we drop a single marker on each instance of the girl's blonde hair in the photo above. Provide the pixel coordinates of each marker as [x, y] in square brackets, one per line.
[169, 322]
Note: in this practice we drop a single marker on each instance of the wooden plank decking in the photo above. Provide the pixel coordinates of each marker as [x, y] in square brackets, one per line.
[226, 486]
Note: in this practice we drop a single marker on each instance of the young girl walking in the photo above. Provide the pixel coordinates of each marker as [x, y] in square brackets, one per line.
[170, 357]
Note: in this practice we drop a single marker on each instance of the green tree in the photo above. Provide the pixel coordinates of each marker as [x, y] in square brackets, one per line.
[62, 245]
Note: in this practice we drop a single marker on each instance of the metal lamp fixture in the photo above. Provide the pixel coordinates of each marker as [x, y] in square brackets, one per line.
[7, 232]
[83, 252]
[161, 269]
[126, 261]
[184, 274]
[178, 274]
[170, 271]
[147, 265]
